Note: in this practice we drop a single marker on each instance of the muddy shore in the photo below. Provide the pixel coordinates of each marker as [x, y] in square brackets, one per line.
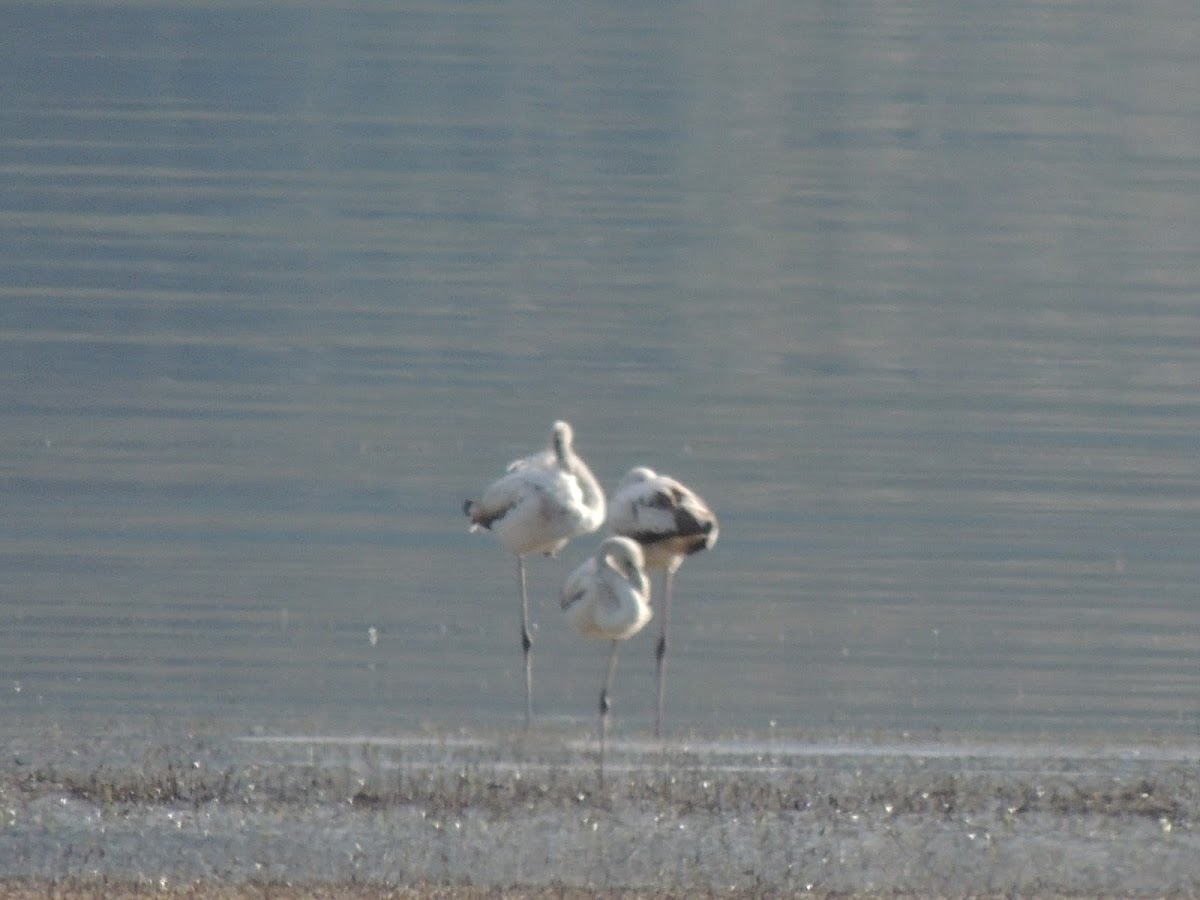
[202, 813]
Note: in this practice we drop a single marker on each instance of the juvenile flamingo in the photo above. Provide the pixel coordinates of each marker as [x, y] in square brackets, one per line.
[537, 506]
[608, 598]
[670, 521]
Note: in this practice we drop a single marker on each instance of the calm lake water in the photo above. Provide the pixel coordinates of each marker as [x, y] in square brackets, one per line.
[908, 291]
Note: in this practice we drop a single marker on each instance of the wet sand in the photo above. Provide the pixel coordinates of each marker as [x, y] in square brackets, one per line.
[205, 813]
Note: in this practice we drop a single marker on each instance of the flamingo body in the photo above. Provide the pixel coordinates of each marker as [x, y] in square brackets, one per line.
[531, 510]
[541, 501]
[608, 596]
[666, 517]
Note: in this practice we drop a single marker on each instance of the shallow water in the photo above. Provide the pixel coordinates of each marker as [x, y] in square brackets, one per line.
[907, 293]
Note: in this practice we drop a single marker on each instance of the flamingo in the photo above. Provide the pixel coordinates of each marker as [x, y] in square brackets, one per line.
[538, 505]
[670, 521]
[608, 598]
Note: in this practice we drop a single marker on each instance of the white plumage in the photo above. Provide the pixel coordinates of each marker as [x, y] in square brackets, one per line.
[541, 501]
[669, 521]
[531, 509]
[538, 505]
[608, 598]
[666, 517]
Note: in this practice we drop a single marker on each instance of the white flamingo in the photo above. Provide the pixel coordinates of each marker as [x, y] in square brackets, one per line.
[670, 521]
[537, 506]
[608, 598]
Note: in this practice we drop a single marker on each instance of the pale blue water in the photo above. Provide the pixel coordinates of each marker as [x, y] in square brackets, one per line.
[909, 292]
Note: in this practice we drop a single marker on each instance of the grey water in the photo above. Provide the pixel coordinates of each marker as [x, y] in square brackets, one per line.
[909, 292]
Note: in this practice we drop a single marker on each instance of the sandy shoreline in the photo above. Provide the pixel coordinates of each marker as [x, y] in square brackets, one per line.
[108, 890]
[196, 814]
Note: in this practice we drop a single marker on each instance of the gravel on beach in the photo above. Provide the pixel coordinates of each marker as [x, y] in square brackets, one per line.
[203, 813]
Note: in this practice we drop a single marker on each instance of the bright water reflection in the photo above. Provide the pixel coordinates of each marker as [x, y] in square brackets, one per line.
[908, 292]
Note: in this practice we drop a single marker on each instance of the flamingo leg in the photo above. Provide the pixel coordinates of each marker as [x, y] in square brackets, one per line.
[660, 656]
[606, 705]
[526, 644]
